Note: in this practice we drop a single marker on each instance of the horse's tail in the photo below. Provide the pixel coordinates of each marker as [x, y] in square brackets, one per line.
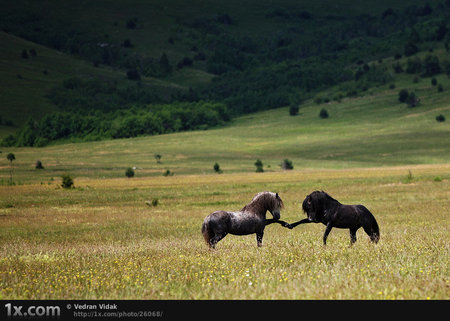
[206, 231]
[370, 224]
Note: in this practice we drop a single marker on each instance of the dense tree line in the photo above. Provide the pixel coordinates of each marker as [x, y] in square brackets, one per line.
[123, 123]
[303, 54]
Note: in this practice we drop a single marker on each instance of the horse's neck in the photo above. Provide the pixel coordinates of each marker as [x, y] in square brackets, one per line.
[256, 210]
[334, 204]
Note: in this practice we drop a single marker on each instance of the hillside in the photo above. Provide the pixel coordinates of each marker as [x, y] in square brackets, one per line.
[26, 82]
[250, 58]
[366, 131]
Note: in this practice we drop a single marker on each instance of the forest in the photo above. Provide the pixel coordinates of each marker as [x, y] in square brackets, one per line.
[305, 53]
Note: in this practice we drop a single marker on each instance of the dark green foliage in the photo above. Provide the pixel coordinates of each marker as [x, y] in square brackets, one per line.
[287, 164]
[323, 113]
[11, 157]
[164, 65]
[412, 100]
[217, 169]
[67, 181]
[259, 166]
[433, 81]
[148, 120]
[129, 172]
[253, 73]
[24, 54]
[158, 158]
[168, 173]
[403, 95]
[39, 165]
[431, 66]
[410, 49]
[133, 74]
[131, 23]
[414, 66]
[440, 118]
[293, 110]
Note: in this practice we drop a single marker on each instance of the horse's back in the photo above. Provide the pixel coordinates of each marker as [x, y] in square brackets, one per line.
[219, 219]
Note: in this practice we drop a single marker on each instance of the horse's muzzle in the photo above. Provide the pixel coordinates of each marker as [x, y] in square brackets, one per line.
[276, 215]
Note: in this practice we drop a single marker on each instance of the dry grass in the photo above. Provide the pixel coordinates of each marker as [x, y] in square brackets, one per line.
[101, 240]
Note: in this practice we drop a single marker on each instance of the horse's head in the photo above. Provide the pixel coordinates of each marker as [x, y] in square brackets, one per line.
[313, 206]
[276, 206]
[263, 202]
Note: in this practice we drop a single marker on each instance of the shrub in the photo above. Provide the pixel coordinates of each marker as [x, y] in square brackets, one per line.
[129, 172]
[323, 113]
[259, 166]
[168, 173]
[433, 81]
[412, 100]
[293, 110]
[287, 164]
[403, 95]
[431, 66]
[133, 74]
[39, 165]
[217, 168]
[440, 118]
[24, 54]
[67, 181]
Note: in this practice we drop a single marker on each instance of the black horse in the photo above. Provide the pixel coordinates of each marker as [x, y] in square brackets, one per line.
[322, 208]
[250, 219]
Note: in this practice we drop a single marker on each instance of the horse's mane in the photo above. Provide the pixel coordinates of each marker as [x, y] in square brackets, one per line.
[321, 198]
[326, 195]
[261, 202]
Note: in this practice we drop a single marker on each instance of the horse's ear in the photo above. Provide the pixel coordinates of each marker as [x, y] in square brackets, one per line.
[276, 195]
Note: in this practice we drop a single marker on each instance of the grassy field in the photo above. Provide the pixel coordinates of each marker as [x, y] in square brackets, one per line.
[101, 241]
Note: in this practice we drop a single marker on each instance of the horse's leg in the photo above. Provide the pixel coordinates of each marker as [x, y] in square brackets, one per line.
[304, 221]
[272, 220]
[327, 231]
[215, 239]
[259, 237]
[353, 235]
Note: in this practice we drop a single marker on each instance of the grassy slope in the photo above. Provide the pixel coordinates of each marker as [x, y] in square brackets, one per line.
[373, 130]
[25, 96]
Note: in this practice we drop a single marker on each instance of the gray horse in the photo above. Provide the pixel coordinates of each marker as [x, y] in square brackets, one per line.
[250, 219]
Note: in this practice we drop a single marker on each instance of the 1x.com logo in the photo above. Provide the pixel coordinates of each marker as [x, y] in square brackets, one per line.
[32, 311]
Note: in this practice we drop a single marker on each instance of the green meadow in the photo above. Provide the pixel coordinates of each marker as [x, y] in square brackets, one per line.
[100, 240]
[113, 237]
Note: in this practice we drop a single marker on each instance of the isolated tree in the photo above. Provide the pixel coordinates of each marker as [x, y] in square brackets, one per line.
[39, 165]
[164, 65]
[67, 181]
[259, 166]
[133, 74]
[412, 100]
[403, 95]
[323, 113]
[11, 157]
[440, 118]
[217, 168]
[431, 66]
[129, 172]
[24, 54]
[158, 158]
[287, 164]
